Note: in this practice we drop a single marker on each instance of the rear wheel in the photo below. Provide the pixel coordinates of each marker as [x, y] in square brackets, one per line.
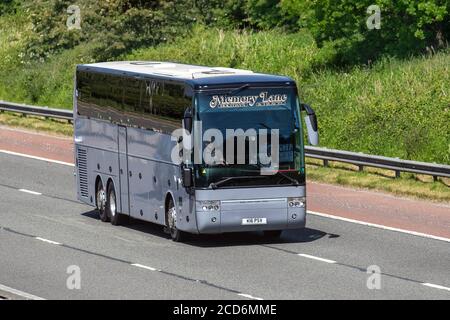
[273, 233]
[115, 217]
[177, 235]
[100, 201]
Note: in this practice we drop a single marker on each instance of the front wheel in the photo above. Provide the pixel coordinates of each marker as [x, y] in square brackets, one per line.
[100, 201]
[177, 235]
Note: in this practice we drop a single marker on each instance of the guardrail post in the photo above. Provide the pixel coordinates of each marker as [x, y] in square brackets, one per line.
[325, 162]
[360, 167]
[435, 178]
[397, 173]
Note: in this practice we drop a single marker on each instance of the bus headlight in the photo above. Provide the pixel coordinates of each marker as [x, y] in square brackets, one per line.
[208, 205]
[297, 202]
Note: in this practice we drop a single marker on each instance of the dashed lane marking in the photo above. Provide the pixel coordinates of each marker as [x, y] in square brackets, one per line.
[436, 286]
[31, 192]
[249, 296]
[48, 241]
[315, 258]
[144, 267]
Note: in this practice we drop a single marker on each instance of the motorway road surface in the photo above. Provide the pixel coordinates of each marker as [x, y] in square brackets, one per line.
[44, 230]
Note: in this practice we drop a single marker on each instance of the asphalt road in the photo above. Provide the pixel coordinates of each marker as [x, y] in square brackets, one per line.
[45, 231]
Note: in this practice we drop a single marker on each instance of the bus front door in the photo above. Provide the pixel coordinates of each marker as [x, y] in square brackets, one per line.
[123, 170]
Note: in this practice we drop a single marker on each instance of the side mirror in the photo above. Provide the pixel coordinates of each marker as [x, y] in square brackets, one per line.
[187, 177]
[187, 120]
[311, 125]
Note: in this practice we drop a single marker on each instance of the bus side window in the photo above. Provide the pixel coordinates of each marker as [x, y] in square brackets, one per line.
[163, 106]
[132, 88]
[173, 102]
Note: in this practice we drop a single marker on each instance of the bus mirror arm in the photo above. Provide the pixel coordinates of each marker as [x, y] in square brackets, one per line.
[187, 120]
[311, 125]
[187, 177]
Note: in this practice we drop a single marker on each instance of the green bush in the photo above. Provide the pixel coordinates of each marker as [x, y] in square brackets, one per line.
[407, 26]
[249, 14]
[113, 27]
[8, 6]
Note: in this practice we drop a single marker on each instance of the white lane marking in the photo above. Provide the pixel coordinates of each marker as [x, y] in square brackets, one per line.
[379, 226]
[36, 158]
[249, 296]
[144, 267]
[48, 241]
[31, 192]
[436, 286]
[20, 293]
[315, 258]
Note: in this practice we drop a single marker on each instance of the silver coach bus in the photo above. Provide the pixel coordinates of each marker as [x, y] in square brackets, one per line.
[125, 114]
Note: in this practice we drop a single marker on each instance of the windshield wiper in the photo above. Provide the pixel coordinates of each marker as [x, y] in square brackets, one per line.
[215, 185]
[229, 92]
[294, 181]
[234, 91]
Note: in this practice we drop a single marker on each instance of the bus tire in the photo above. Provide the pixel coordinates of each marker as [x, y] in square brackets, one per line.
[100, 201]
[111, 206]
[171, 215]
[273, 233]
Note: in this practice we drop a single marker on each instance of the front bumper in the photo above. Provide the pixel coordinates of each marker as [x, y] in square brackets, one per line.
[236, 205]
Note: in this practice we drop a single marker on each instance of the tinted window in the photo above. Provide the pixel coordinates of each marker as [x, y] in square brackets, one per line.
[145, 103]
[100, 96]
[164, 103]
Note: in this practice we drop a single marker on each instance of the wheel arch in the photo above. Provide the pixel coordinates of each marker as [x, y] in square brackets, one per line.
[108, 183]
[98, 179]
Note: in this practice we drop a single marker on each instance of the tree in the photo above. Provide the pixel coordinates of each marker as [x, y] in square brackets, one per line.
[407, 26]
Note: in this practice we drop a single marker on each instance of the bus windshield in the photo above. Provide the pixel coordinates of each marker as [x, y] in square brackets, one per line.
[251, 109]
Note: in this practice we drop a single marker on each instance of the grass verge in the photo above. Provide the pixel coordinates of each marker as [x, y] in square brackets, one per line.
[53, 126]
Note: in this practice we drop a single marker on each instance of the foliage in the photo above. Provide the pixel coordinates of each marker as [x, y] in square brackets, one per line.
[8, 6]
[407, 26]
[114, 26]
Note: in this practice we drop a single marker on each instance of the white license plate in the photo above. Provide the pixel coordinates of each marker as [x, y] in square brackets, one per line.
[251, 221]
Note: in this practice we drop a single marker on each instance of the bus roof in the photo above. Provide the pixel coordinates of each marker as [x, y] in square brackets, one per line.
[197, 76]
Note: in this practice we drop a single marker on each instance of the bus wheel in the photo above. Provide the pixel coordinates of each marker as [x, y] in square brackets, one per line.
[112, 206]
[177, 235]
[273, 233]
[100, 200]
